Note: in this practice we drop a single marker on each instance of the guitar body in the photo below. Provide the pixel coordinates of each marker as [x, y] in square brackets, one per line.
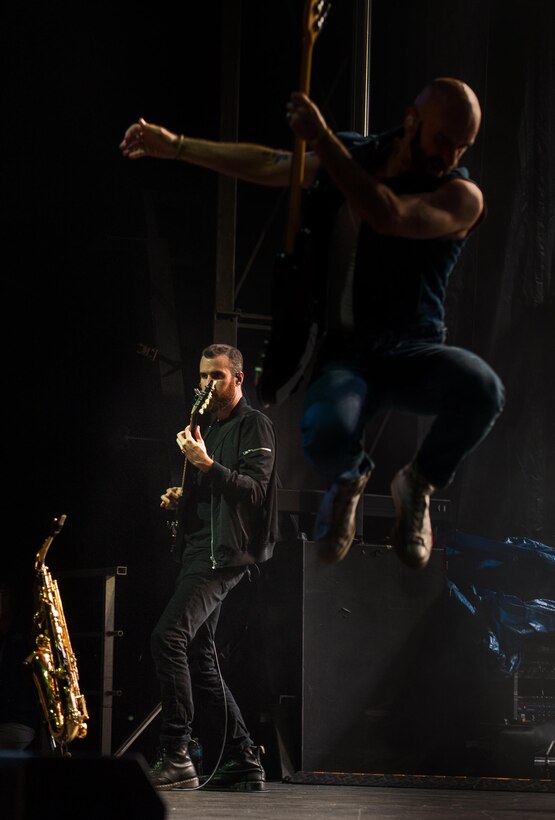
[295, 328]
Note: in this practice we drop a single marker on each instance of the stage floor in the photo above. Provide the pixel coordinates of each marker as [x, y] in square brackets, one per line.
[287, 801]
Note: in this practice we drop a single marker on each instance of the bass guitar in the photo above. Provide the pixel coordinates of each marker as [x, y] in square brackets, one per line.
[294, 331]
[200, 405]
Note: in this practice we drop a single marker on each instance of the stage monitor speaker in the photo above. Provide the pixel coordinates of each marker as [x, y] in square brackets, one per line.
[370, 635]
[77, 788]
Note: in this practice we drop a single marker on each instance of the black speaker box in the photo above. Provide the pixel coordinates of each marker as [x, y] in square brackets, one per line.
[77, 788]
[369, 639]
[358, 653]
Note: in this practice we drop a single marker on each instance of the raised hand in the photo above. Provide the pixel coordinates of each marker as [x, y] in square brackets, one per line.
[305, 118]
[143, 139]
[194, 448]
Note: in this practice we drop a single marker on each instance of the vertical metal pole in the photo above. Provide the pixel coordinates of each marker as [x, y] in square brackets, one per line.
[360, 85]
[360, 120]
[225, 323]
[108, 665]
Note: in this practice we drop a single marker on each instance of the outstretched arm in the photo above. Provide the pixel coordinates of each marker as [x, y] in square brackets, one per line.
[245, 161]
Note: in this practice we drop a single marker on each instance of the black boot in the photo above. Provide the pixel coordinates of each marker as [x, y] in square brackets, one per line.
[241, 770]
[174, 767]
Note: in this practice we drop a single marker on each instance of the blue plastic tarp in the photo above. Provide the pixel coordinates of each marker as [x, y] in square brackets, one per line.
[509, 587]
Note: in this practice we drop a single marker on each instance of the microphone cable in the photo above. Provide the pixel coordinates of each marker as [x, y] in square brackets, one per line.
[222, 747]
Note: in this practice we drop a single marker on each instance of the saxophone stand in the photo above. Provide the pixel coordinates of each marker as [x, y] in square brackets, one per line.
[138, 731]
[54, 748]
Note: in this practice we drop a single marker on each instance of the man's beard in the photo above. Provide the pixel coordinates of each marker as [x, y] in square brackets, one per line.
[422, 164]
[220, 401]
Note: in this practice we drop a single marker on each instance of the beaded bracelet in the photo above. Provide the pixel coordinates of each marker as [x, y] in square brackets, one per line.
[180, 144]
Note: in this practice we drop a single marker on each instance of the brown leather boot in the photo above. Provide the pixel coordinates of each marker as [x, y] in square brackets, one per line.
[335, 526]
[412, 534]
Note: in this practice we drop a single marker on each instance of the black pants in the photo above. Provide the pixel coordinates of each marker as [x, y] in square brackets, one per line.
[183, 651]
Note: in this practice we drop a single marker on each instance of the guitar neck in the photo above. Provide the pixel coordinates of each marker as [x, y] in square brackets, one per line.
[192, 421]
[297, 161]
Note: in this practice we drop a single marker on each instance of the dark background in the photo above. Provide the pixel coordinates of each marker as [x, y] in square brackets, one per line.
[89, 422]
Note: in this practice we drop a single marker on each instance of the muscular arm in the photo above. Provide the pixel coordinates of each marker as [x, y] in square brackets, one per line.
[245, 161]
[450, 211]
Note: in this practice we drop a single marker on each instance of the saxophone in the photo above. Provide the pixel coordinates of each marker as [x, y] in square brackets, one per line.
[53, 662]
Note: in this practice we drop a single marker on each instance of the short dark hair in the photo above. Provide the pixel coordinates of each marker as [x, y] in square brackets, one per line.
[235, 356]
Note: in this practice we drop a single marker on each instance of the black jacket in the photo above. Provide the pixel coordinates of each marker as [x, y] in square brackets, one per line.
[243, 485]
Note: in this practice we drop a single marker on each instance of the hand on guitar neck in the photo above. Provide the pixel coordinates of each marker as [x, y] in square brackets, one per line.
[295, 327]
[194, 448]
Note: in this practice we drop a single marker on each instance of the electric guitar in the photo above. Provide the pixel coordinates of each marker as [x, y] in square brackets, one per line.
[294, 331]
[201, 403]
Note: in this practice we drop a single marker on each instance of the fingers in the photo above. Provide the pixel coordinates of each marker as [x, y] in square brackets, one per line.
[304, 117]
[299, 108]
[181, 440]
[193, 436]
[132, 145]
[185, 439]
[169, 500]
[144, 139]
[189, 444]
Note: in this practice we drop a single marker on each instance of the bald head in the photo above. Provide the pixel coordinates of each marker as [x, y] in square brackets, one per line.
[454, 98]
[441, 124]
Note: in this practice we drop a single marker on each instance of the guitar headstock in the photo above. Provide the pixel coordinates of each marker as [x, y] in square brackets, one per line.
[315, 14]
[202, 399]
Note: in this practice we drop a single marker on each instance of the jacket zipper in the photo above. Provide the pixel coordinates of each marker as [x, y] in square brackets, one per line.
[212, 556]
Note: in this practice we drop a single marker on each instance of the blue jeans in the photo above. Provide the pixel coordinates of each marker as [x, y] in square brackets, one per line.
[182, 646]
[351, 384]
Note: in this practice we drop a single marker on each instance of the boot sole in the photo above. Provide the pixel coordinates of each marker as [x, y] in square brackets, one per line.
[193, 783]
[244, 786]
[409, 560]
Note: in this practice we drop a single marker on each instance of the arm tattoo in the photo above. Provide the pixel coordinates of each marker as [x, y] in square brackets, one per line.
[279, 156]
